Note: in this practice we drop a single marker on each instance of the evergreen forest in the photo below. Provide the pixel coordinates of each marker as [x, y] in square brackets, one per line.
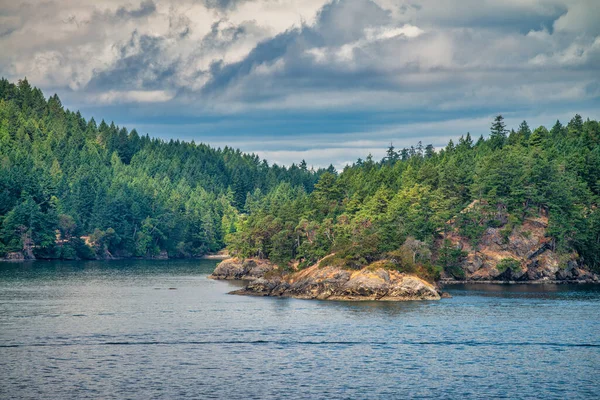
[71, 188]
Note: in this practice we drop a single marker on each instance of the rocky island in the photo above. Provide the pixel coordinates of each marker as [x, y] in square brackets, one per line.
[325, 282]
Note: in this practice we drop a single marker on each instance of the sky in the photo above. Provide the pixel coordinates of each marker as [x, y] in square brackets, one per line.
[324, 81]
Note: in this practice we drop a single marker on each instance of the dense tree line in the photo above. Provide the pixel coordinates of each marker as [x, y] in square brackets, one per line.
[71, 188]
[399, 207]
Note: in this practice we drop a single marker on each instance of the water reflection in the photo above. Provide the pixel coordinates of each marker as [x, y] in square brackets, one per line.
[384, 308]
[531, 291]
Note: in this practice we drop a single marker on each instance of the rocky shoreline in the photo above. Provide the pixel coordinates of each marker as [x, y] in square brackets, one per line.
[370, 283]
[325, 283]
[18, 257]
[513, 253]
[536, 282]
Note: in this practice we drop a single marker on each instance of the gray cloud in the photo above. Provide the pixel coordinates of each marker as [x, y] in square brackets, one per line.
[222, 4]
[478, 63]
[338, 23]
[342, 22]
[140, 66]
[199, 58]
[146, 8]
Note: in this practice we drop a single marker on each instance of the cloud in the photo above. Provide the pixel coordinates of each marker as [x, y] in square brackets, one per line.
[222, 4]
[581, 17]
[260, 64]
[146, 8]
[134, 96]
[140, 66]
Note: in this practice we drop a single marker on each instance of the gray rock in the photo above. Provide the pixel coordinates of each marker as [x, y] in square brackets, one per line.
[331, 283]
[237, 269]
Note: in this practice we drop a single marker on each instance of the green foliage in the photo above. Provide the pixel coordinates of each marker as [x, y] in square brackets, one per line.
[507, 263]
[63, 178]
[450, 258]
[363, 213]
[472, 224]
[456, 271]
[505, 233]
[498, 133]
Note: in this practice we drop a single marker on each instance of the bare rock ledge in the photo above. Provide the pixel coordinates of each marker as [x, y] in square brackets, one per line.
[325, 283]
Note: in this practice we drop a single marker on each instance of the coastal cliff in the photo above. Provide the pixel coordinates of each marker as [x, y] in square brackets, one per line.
[373, 282]
[509, 252]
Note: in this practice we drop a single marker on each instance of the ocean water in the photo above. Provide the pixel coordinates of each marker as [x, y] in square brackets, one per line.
[162, 330]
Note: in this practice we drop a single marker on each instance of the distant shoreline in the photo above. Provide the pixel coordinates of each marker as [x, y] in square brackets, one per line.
[537, 282]
[215, 257]
[204, 257]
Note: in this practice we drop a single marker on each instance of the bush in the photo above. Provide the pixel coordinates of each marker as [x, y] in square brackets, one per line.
[428, 271]
[495, 223]
[505, 233]
[456, 271]
[450, 256]
[471, 226]
[82, 250]
[507, 263]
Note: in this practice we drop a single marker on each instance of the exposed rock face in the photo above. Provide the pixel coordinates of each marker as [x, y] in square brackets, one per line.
[237, 269]
[332, 283]
[527, 245]
[16, 256]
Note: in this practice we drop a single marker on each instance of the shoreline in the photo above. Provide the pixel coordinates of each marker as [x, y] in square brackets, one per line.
[537, 282]
[204, 257]
[215, 257]
[266, 279]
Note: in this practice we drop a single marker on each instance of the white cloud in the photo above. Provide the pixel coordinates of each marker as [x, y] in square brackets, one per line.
[379, 33]
[231, 58]
[134, 96]
[67, 44]
[583, 16]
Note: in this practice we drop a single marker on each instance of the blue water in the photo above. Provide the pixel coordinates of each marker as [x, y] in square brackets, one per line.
[161, 329]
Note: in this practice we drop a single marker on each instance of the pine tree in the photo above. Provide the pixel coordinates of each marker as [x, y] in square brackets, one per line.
[575, 126]
[391, 155]
[498, 133]
[524, 131]
[429, 151]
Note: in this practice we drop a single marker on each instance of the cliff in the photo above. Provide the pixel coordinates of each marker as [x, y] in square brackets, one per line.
[513, 252]
[325, 282]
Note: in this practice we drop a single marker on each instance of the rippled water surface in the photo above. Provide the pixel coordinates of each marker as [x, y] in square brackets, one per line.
[161, 329]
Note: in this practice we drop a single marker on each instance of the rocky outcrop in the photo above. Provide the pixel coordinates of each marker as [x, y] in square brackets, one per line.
[238, 269]
[334, 283]
[514, 254]
[15, 256]
[221, 255]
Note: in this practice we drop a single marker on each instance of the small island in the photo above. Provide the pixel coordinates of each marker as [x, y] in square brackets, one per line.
[326, 282]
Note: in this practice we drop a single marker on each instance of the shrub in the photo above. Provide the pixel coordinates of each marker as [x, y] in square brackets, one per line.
[507, 263]
[456, 271]
[495, 223]
[505, 233]
[471, 226]
[450, 256]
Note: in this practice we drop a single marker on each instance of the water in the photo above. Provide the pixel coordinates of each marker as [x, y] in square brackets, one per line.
[161, 329]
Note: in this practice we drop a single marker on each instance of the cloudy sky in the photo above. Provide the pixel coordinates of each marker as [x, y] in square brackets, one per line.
[325, 81]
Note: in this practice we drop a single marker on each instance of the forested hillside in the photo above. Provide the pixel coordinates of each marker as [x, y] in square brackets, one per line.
[65, 182]
[71, 188]
[404, 207]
